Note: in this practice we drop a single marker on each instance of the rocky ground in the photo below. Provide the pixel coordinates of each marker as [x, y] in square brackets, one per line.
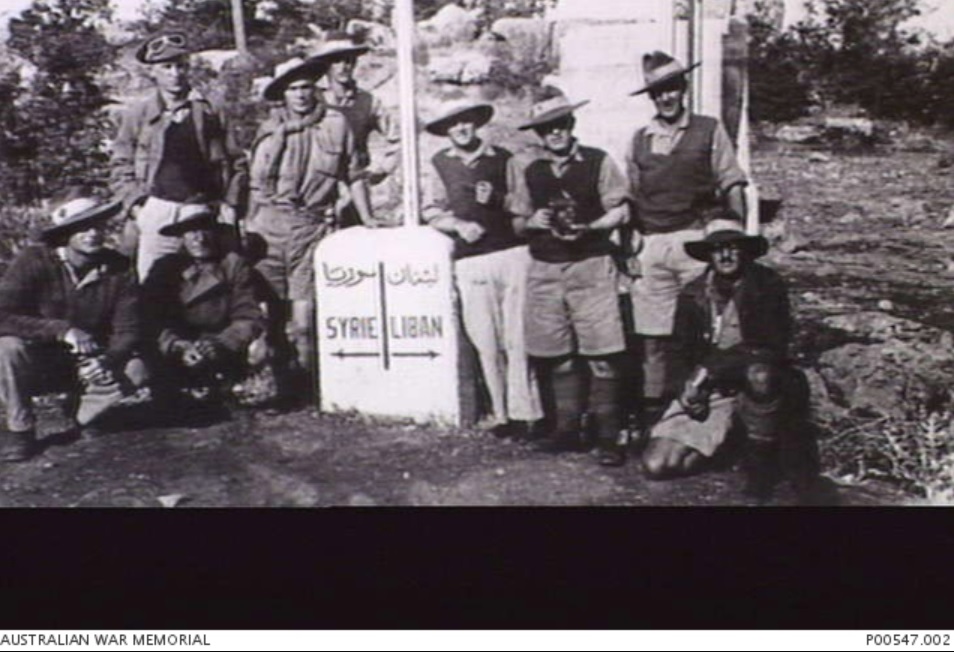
[863, 241]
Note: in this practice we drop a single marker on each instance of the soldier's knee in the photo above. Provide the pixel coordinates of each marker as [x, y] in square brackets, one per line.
[604, 367]
[655, 460]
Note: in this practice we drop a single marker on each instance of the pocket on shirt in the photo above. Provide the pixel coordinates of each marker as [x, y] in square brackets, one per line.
[328, 154]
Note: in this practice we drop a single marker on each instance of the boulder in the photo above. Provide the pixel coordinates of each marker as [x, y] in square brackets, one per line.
[888, 379]
[452, 24]
[461, 67]
[529, 38]
[380, 37]
[904, 364]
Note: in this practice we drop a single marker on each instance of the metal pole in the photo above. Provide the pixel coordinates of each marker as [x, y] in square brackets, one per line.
[238, 26]
[403, 23]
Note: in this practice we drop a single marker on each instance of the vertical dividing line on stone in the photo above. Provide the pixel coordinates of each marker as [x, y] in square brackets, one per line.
[385, 345]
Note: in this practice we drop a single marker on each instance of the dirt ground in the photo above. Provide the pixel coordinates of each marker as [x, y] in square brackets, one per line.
[857, 247]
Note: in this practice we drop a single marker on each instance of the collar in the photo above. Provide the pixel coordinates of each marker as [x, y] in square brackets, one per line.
[156, 105]
[659, 127]
[200, 278]
[485, 149]
[711, 292]
[94, 274]
[562, 160]
[348, 96]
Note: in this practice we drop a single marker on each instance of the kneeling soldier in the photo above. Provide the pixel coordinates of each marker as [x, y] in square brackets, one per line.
[731, 336]
[202, 308]
[68, 320]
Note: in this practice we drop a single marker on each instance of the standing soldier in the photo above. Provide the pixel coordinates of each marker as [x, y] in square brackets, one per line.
[300, 155]
[365, 112]
[467, 201]
[678, 165]
[570, 200]
[172, 149]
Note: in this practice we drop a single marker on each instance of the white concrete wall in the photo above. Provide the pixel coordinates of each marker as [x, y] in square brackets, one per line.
[600, 45]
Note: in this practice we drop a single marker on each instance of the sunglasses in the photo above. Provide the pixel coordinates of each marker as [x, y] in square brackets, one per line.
[161, 42]
[561, 125]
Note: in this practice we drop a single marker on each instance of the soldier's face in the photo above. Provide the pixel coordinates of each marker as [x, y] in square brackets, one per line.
[557, 135]
[670, 99]
[727, 259]
[341, 69]
[199, 243]
[172, 77]
[88, 242]
[300, 96]
[463, 133]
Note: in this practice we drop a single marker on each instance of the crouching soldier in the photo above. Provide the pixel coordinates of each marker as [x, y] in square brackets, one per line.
[68, 321]
[731, 336]
[202, 309]
[571, 199]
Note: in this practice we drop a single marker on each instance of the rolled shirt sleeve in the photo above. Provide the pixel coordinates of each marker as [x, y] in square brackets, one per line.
[725, 165]
[613, 185]
[434, 203]
[518, 200]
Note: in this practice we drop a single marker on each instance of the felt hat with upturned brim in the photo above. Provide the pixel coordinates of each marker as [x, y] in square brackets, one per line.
[550, 109]
[723, 230]
[337, 44]
[660, 68]
[163, 47]
[291, 70]
[454, 111]
[198, 218]
[77, 214]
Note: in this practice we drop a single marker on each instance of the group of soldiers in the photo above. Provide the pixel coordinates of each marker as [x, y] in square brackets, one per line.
[541, 245]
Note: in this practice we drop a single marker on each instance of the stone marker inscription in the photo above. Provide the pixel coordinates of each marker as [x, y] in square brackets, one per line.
[387, 341]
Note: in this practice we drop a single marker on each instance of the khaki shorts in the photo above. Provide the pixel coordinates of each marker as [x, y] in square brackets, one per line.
[573, 308]
[287, 264]
[666, 269]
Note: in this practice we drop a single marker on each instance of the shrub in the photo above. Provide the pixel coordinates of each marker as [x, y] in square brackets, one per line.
[916, 453]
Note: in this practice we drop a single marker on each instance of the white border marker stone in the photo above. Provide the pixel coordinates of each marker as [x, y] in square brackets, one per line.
[386, 325]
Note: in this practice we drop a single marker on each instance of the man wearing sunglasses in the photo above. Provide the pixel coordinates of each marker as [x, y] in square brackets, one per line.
[173, 149]
[569, 201]
[681, 167]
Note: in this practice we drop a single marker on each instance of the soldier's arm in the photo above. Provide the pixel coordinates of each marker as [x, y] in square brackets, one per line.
[246, 321]
[122, 164]
[615, 197]
[124, 334]
[357, 180]
[19, 290]
[730, 178]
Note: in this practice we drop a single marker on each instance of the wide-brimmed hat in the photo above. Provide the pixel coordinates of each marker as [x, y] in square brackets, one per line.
[76, 211]
[724, 230]
[163, 47]
[191, 218]
[457, 109]
[339, 43]
[659, 68]
[289, 71]
[551, 108]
